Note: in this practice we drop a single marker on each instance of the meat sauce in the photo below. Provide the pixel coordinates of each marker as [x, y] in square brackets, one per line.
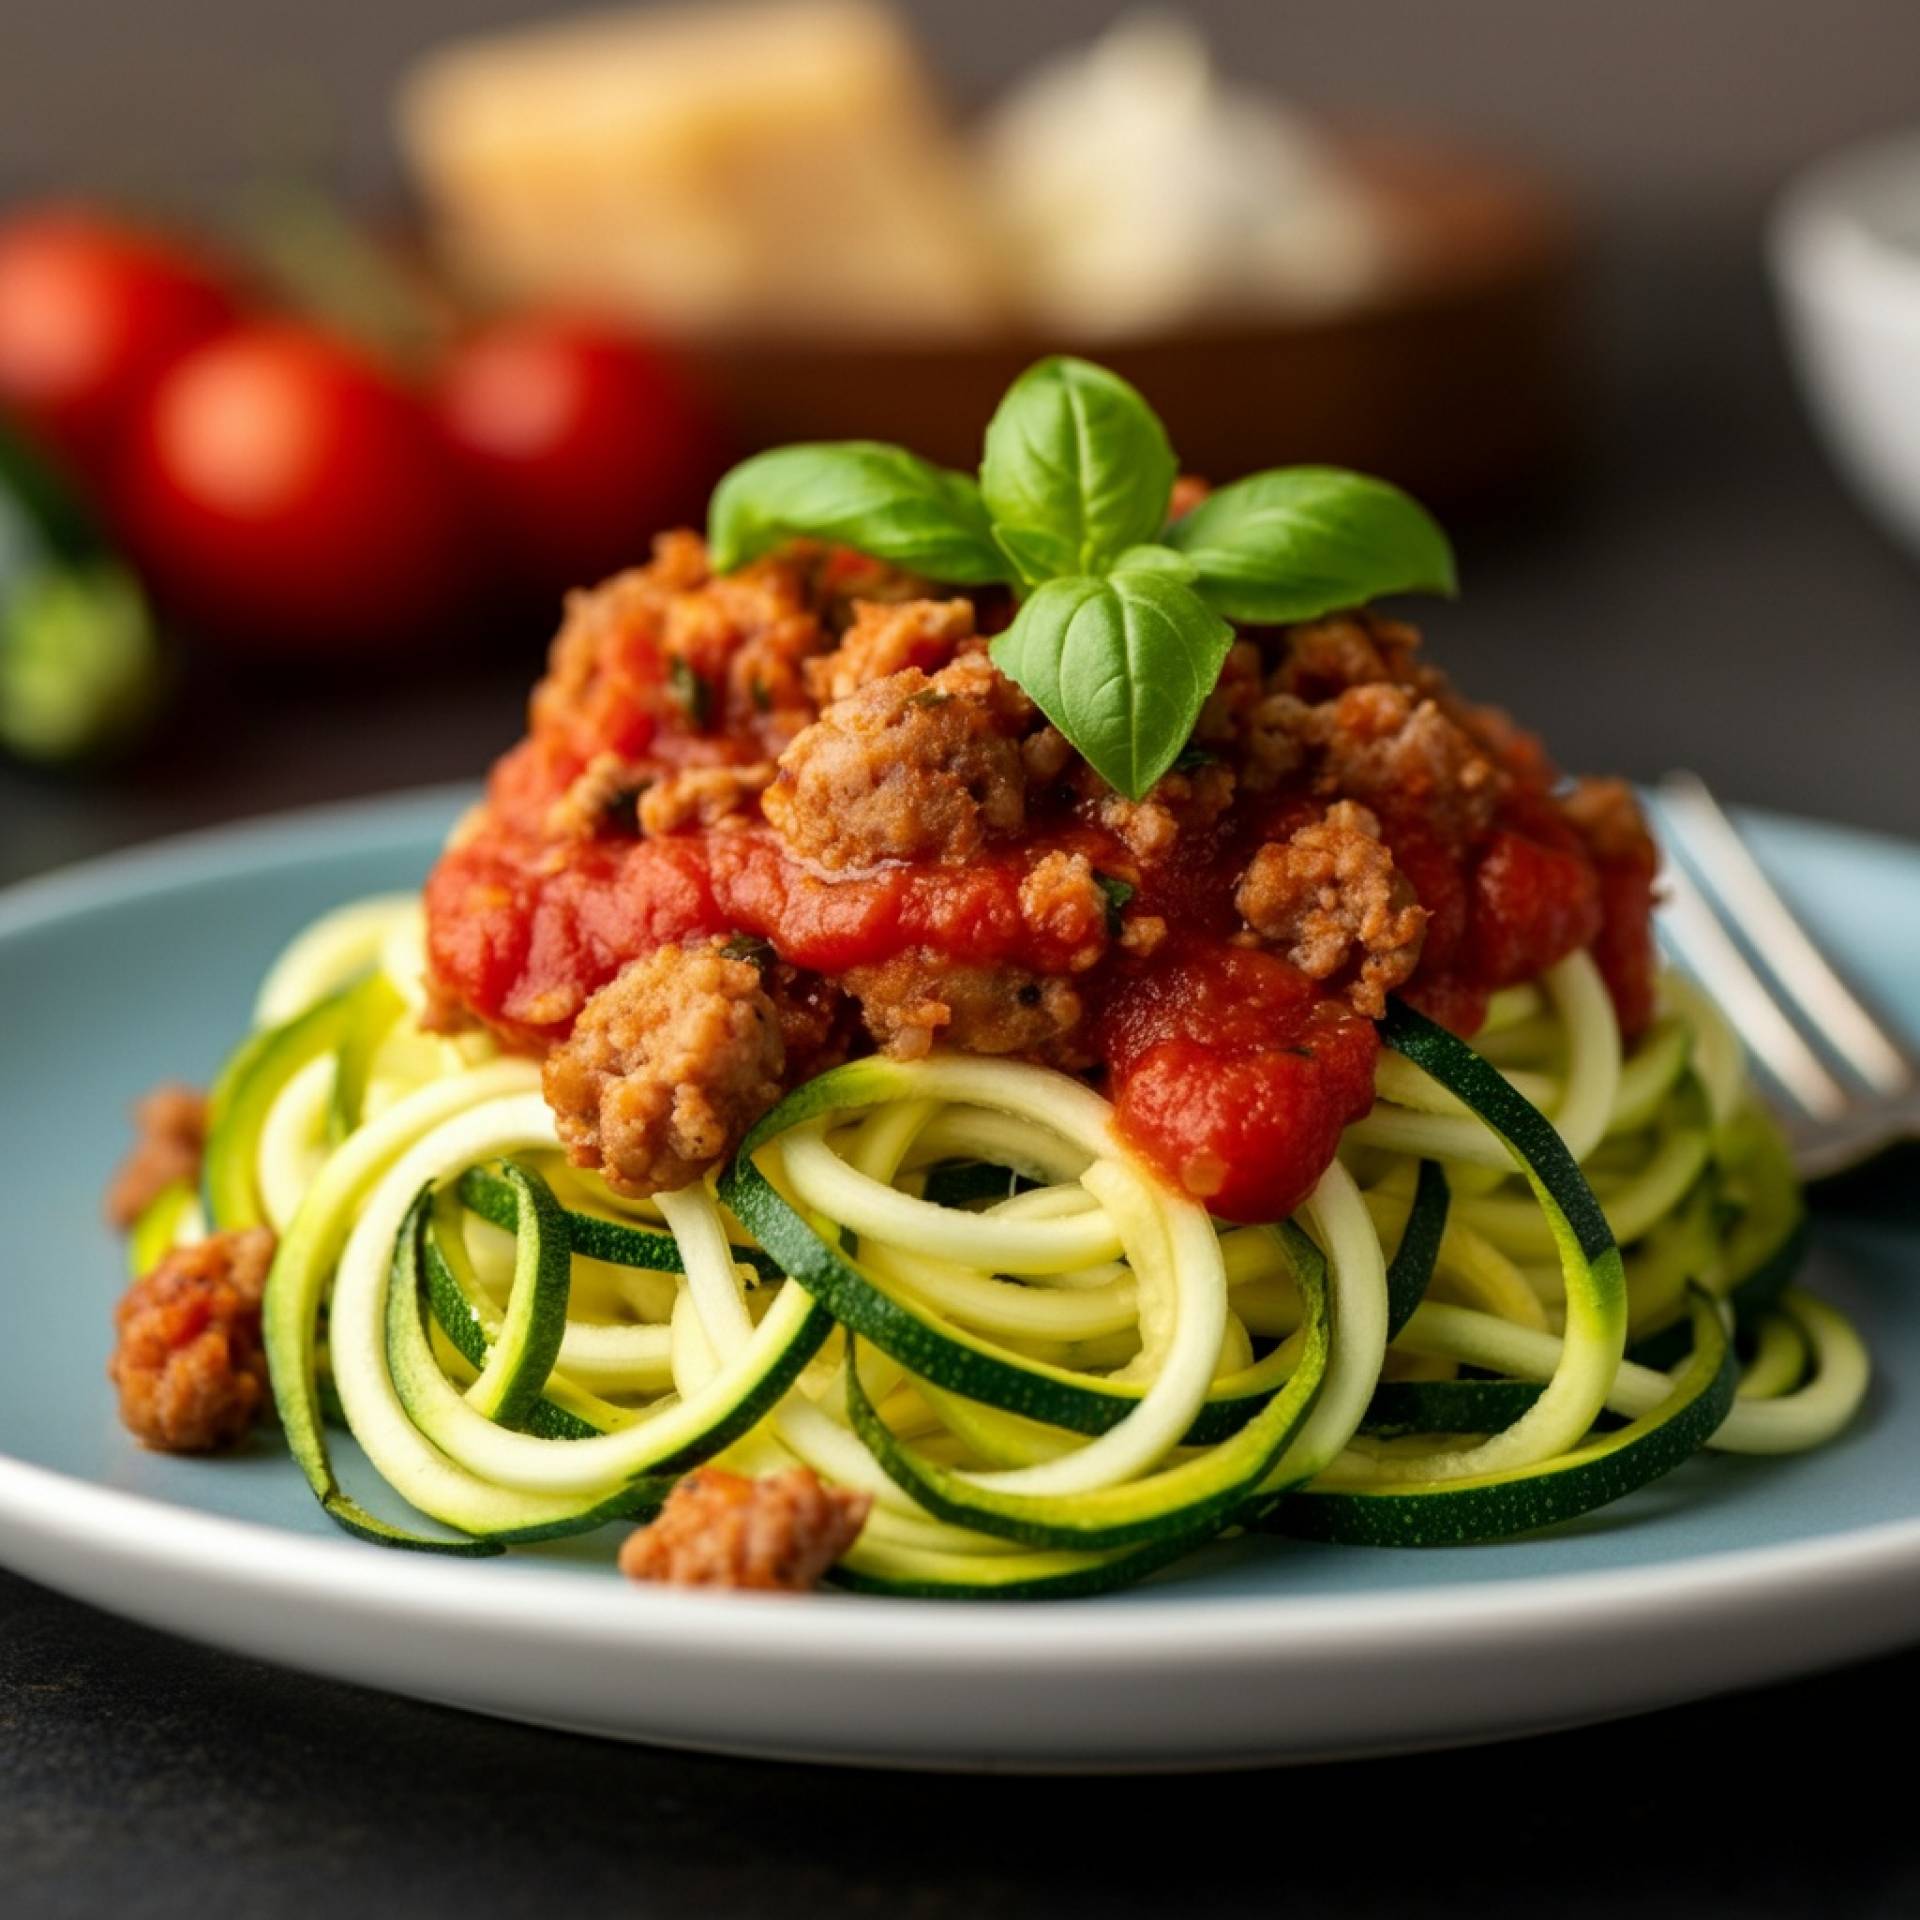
[1232, 1072]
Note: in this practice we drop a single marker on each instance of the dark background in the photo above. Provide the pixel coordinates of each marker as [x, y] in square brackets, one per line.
[1696, 588]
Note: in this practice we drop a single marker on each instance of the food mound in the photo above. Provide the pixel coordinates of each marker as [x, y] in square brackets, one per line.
[992, 1032]
[765, 821]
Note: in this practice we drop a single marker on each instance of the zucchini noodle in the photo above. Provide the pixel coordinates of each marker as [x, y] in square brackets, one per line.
[949, 1285]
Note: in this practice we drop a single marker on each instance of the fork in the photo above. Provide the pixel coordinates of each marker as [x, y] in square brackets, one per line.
[1847, 1088]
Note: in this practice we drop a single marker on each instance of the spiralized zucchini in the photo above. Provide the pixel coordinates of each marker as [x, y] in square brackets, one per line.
[1539, 1275]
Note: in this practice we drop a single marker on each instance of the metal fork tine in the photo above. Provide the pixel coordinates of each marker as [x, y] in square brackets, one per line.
[1724, 971]
[1729, 868]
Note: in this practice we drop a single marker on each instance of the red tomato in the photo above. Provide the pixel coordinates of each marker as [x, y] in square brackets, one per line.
[283, 491]
[578, 443]
[92, 313]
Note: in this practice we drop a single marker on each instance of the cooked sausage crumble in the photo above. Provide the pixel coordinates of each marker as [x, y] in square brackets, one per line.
[189, 1364]
[667, 1065]
[911, 767]
[1331, 895]
[775, 1534]
[171, 1125]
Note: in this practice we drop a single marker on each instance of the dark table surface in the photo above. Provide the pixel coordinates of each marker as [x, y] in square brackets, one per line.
[1698, 591]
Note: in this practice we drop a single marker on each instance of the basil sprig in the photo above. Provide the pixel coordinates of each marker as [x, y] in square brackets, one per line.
[1077, 469]
[883, 500]
[1120, 665]
[1123, 618]
[1296, 542]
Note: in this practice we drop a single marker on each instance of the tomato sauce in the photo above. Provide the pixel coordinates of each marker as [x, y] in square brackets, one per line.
[1232, 1072]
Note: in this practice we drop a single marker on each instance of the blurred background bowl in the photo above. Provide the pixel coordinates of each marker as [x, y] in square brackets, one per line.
[1846, 258]
[1453, 374]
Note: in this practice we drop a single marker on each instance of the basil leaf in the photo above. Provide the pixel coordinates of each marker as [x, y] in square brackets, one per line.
[1077, 469]
[1121, 666]
[1297, 542]
[1156, 559]
[883, 500]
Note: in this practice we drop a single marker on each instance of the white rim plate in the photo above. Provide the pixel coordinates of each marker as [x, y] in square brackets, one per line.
[1165, 1677]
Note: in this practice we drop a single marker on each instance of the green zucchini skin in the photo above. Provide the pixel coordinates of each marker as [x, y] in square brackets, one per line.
[947, 1356]
[955, 1183]
[1402, 1407]
[346, 1024]
[1037, 1576]
[406, 1313]
[421, 1411]
[1497, 1506]
[516, 1369]
[1590, 1261]
[1751, 1294]
[454, 1314]
[1191, 1499]
[487, 1194]
[1411, 1270]
[293, 1305]
[376, 1006]
[1529, 1135]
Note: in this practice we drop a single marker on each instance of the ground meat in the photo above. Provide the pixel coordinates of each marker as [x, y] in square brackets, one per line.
[910, 767]
[1045, 755]
[189, 1365]
[1225, 715]
[667, 1066]
[775, 1534]
[1607, 817]
[1380, 744]
[1352, 709]
[917, 998]
[886, 639]
[171, 1125]
[1188, 801]
[602, 800]
[1062, 899]
[1326, 657]
[1282, 733]
[1332, 897]
[701, 796]
[670, 648]
[818, 1022]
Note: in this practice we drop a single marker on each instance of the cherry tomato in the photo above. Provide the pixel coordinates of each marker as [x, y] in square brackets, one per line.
[578, 443]
[92, 313]
[285, 492]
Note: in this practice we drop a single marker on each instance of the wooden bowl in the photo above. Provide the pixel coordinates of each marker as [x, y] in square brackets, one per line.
[1453, 378]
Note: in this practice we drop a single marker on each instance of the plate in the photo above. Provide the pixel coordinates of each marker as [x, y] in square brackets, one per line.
[1729, 1573]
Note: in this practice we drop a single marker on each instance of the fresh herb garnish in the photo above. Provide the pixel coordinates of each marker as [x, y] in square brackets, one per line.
[751, 948]
[1192, 759]
[1297, 542]
[690, 692]
[929, 697]
[1122, 625]
[1118, 893]
[883, 500]
[1077, 469]
[1120, 665]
